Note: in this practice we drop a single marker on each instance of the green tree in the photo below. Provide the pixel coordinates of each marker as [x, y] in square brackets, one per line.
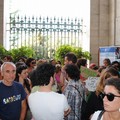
[62, 50]
[20, 52]
[3, 52]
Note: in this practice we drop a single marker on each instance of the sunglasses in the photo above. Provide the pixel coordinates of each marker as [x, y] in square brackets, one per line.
[110, 96]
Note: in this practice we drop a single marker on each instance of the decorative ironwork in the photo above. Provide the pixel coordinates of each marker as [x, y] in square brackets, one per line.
[44, 35]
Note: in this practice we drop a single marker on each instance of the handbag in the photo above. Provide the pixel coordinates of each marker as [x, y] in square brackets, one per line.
[100, 115]
[84, 104]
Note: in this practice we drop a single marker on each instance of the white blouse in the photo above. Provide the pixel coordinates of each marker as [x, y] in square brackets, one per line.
[95, 115]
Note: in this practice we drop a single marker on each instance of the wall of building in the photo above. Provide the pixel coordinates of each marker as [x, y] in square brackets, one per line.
[99, 26]
[117, 22]
[104, 25]
[1, 20]
[112, 26]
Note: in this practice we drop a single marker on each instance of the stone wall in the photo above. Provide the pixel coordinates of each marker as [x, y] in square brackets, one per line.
[99, 27]
[112, 11]
[104, 25]
[117, 22]
[1, 20]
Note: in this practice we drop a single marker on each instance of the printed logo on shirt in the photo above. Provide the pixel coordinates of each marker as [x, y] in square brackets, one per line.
[11, 99]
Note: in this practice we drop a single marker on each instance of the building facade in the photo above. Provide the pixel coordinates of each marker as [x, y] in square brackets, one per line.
[104, 25]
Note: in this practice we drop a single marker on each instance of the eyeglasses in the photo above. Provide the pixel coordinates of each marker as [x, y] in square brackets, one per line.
[110, 96]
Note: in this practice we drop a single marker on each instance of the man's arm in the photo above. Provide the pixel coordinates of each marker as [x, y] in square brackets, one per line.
[23, 109]
[66, 113]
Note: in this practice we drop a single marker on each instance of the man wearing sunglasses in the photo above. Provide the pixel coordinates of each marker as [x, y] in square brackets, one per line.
[111, 101]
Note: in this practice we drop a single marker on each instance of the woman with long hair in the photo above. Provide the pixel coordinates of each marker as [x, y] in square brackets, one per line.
[111, 101]
[22, 77]
[95, 102]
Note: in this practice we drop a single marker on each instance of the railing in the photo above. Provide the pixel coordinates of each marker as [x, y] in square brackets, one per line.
[44, 35]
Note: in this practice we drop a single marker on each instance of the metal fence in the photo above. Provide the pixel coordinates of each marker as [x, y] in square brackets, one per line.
[44, 35]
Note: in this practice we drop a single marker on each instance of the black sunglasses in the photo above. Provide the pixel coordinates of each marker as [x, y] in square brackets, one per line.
[110, 96]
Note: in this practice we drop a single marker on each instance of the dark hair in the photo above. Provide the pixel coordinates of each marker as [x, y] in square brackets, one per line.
[43, 73]
[19, 70]
[1, 62]
[114, 82]
[9, 58]
[108, 61]
[73, 71]
[116, 64]
[28, 61]
[22, 58]
[81, 62]
[71, 57]
[33, 78]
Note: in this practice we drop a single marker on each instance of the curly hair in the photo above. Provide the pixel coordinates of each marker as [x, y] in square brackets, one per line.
[106, 73]
[73, 71]
[43, 73]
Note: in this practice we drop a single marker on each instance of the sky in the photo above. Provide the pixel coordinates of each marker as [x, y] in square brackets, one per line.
[52, 8]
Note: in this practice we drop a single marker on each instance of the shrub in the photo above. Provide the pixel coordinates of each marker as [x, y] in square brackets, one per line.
[3, 52]
[62, 50]
[20, 52]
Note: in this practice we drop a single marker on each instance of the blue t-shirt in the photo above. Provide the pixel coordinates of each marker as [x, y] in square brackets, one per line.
[10, 101]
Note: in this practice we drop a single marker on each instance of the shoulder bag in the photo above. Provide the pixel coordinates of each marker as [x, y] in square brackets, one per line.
[84, 104]
[100, 115]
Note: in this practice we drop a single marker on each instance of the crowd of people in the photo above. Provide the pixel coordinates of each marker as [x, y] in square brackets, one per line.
[33, 89]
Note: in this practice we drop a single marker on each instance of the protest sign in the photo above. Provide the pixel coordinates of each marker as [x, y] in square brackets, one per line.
[91, 83]
[86, 72]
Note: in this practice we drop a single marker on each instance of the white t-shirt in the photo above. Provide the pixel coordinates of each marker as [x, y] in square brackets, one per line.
[95, 115]
[47, 105]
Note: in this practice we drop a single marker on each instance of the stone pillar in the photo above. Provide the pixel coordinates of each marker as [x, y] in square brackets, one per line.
[1, 20]
[99, 27]
[112, 22]
[117, 22]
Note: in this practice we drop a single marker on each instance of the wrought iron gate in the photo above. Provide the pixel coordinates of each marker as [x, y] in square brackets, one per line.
[44, 35]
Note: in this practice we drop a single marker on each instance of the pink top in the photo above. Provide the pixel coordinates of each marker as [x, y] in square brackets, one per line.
[57, 77]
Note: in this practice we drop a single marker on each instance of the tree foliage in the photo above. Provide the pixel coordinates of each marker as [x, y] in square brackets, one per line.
[79, 52]
[17, 52]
